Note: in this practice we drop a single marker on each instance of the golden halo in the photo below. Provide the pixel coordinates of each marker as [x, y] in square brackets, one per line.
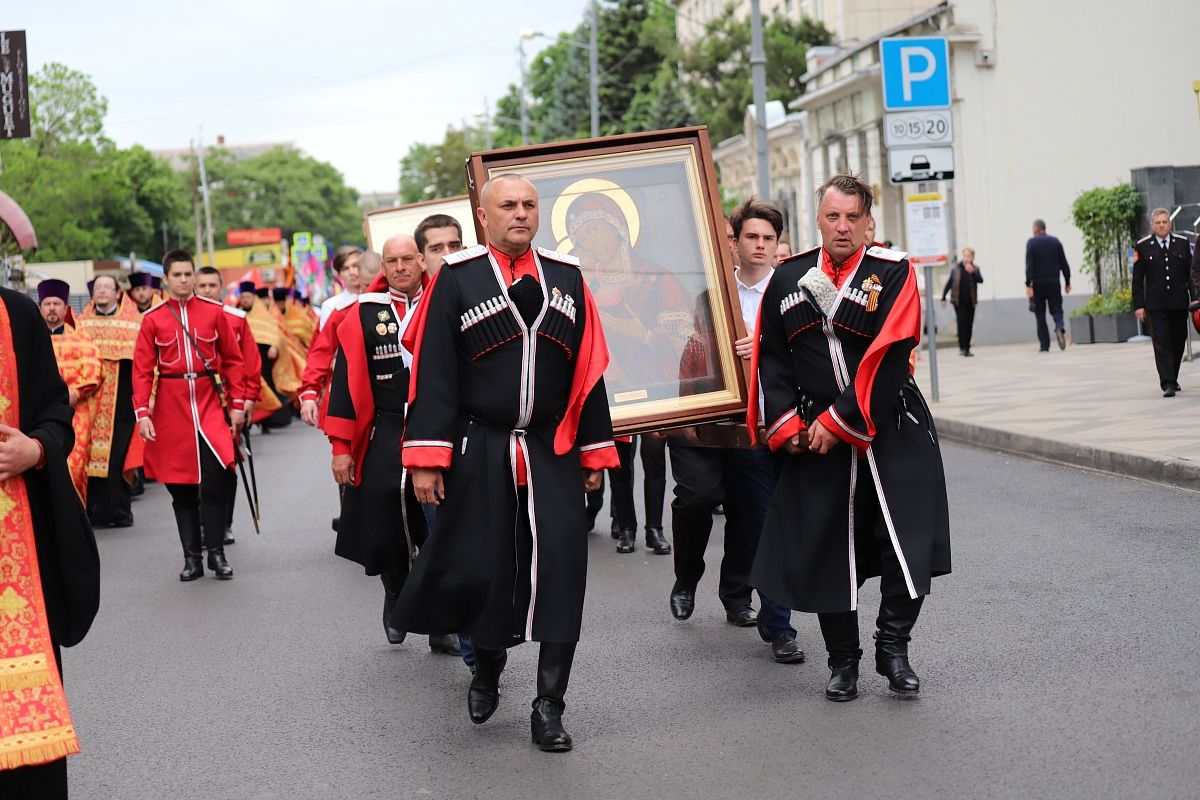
[558, 215]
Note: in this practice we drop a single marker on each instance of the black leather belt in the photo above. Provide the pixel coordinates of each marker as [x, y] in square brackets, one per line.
[191, 376]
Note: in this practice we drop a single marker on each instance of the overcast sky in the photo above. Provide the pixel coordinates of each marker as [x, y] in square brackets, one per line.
[352, 82]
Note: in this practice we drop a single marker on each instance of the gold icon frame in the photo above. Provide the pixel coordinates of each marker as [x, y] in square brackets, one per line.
[595, 166]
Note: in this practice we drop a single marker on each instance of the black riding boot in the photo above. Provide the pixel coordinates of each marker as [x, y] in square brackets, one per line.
[391, 593]
[554, 671]
[896, 619]
[484, 694]
[214, 540]
[188, 521]
[840, 630]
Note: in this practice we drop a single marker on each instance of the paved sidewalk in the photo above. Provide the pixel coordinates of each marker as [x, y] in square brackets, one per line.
[1095, 405]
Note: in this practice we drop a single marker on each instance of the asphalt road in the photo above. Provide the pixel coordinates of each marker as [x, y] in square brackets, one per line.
[1059, 660]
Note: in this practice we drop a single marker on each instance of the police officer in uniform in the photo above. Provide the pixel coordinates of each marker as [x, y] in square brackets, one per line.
[1162, 290]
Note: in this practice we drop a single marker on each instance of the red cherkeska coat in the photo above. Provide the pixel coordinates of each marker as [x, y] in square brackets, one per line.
[184, 394]
[252, 360]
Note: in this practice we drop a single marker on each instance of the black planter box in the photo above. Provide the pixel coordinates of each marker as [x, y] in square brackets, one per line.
[1081, 330]
[1114, 327]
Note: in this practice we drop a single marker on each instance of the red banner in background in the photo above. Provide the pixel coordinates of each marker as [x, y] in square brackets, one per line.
[238, 238]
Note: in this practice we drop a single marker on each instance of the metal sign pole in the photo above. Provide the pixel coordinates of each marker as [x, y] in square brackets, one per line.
[931, 332]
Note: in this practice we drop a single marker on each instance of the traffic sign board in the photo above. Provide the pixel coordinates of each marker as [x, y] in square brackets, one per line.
[909, 164]
[916, 128]
[925, 224]
[916, 73]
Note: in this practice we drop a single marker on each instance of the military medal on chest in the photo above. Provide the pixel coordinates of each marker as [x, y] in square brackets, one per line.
[872, 287]
[382, 328]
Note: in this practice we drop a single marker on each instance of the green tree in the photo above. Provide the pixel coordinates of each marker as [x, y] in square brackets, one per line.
[65, 107]
[716, 69]
[506, 121]
[285, 189]
[146, 193]
[65, 197]
[86, 197]
[1107, 220]
[430, 172]
[559, 86]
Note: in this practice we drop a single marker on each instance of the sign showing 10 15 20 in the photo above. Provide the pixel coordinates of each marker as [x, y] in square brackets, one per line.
[915, 128]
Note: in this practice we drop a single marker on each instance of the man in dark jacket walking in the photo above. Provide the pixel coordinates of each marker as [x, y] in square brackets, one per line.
[1044, 260]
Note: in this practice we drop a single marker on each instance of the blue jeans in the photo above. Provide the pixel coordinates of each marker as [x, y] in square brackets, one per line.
[752, 484]
[464, 641]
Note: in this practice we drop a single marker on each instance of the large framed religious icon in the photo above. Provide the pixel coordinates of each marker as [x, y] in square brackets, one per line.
[382, 223]
[642, 214]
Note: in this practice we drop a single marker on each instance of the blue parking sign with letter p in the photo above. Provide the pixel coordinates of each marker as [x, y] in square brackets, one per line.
[916, 72]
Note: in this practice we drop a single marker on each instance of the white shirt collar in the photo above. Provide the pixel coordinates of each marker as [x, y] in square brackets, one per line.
[759, 287]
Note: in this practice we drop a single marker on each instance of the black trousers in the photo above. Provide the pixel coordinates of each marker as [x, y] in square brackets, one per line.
[840, 628]
[965, 314]
[1168, 331]
[109, 498]
[1047, 295]
[214, 490]
[654, 477]
[702, 482]
[623, 509]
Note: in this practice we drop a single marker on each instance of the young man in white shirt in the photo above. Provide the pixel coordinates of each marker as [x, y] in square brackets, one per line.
[743, 480]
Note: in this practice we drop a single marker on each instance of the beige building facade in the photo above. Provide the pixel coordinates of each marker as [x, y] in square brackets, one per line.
[1043, 109]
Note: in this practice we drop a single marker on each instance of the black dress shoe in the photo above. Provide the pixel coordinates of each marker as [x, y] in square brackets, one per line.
[657, 542]
[446, 643]
[786, 650]
[627, 540]
[614, 530]
[843, 681]
[1169, 391]
[741, 616]
[229, 537]
[895, 667]
[1061, 336]
[545, 725]
[683, 603]
[1175, 385]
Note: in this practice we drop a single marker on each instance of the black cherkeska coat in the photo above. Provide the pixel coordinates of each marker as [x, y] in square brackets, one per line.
[505, 564]
[381, 523]
[849, 368]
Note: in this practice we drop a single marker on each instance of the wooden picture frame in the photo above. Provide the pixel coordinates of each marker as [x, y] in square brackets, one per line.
[643, 213]
[381, 223]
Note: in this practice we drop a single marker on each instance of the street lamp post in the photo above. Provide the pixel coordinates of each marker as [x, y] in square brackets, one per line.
[594, 71]
[526, 35]
[758, 78]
